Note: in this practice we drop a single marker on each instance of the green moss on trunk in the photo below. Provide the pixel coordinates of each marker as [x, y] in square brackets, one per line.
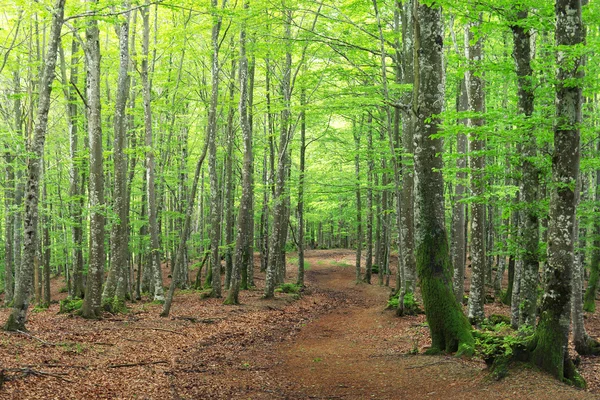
[548, 353]
[450, 329]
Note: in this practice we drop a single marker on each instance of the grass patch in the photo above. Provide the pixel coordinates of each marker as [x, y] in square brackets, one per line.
[340, 264]
[67, 306]
[288, 288]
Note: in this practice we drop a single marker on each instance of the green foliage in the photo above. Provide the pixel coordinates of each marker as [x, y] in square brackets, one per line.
[498, 344]
[375, 269]
[63, 289]
[288, 288]
[115, 306]
[67, 306]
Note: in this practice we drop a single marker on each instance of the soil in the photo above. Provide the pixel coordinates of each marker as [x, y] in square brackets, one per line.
[336, 342]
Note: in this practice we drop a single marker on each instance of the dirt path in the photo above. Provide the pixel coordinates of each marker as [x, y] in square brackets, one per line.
[359, 351]
[336, 342]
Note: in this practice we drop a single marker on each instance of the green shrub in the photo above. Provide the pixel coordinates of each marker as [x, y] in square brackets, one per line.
[70, 305]
[288, 288]
[375, 269]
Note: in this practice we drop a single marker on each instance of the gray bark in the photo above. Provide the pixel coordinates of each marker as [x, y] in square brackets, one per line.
[115, 288]
[369, 222]
[155, 255]
[459, 239]
[93, 290]
[215, 222]
[528, 191]
[552, 332]
[16, 320]
[244, 259]
[276, 261]
[475, 93]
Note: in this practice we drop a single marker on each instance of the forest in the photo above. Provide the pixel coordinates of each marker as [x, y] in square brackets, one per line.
[299, 199]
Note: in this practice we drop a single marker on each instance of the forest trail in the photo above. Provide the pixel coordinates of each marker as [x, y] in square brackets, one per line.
[359, 351]
[335, 342]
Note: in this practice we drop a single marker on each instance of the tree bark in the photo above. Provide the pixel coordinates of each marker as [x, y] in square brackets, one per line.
[528, 192]
[369, 233]
[243, 245]
[552, 333]
[450, 330]
[115, 289]
[155, 255]
[475, 95]
[16, 319]
[215, 222]
[91, 307]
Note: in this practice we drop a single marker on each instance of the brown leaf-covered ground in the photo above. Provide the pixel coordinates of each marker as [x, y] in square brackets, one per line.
[336, 342]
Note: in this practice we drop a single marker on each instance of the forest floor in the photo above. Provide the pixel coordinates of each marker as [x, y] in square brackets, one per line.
[335, 342]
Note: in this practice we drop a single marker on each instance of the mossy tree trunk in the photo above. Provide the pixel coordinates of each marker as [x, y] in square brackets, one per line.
[450, 329]
[549, 346]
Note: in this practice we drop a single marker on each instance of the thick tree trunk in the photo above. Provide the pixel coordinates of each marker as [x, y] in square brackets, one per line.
[552, 333]
[529, 229]
[93, 290]
[114, 293]
[450, 330]
[474, 84]
[407, 210]
[9, 194]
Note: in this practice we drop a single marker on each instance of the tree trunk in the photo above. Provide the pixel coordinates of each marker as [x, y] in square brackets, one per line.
[370, 167]
[450, 330]
[475, 95]
[93, 290]
[528, 192]
[155, 256]
[215, 222]
[243, 255]
[179, 259]
[277, 245]
[584, 344]
[459, 239]
[589, 304]
[115, 289]
[301, 228]
[552, 333]
[407, 235]
[359, 234]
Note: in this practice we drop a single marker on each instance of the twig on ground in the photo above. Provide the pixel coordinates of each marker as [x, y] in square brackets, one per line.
[29, 371]
[156, 329]
[138, 364]
[37, 338]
